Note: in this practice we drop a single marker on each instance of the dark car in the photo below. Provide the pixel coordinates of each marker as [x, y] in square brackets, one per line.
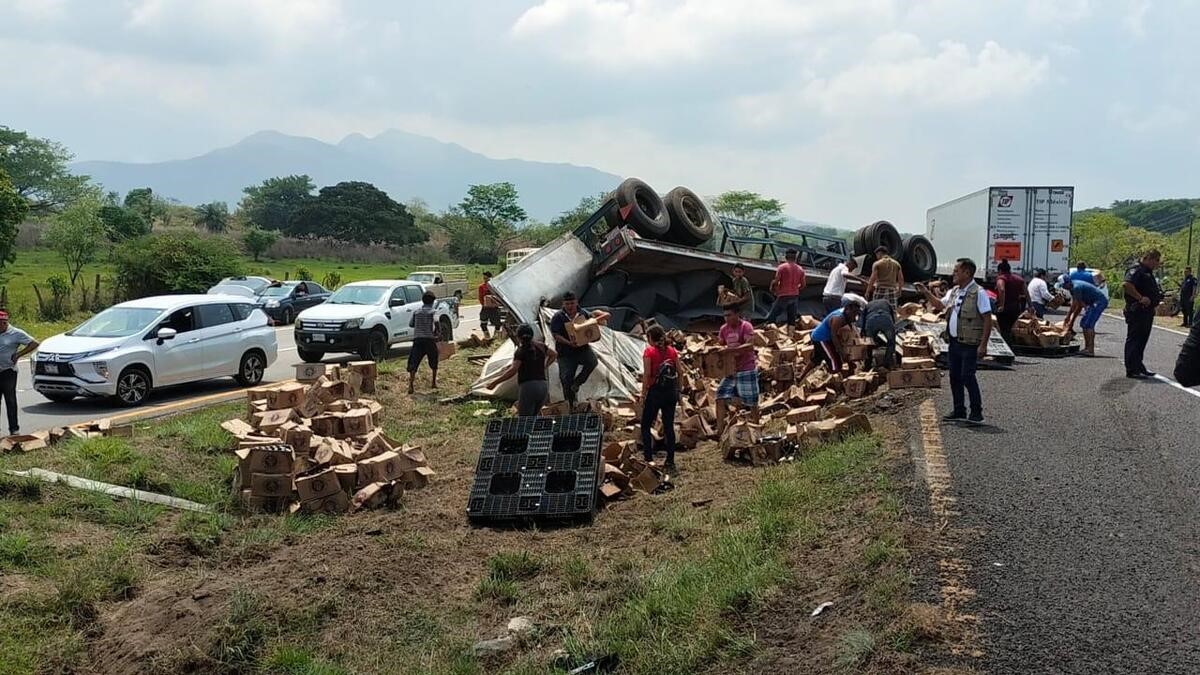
[284, 300]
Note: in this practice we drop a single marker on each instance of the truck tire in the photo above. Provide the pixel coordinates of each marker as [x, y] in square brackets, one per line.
[446, 329]
[309, 357]
[860, 241]
[647, 213]
[691, 221]
[376, 347]
[920, 259]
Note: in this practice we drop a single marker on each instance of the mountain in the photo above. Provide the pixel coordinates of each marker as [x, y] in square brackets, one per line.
[404, 165]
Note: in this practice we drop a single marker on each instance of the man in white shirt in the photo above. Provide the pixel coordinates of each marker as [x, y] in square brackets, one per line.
[835, 286]
[1039, 293]
[969, 327]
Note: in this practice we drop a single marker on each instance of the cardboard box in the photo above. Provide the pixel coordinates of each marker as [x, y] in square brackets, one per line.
[270, 421]
[380, 468]
[367, 369]
[917, 351]
[331, 391]
[718, 364]
[808, 413]
[918, 364]
[583, 331]
[901, 379]
[418, 477]
[738, 436]
[610, 491]
[357, 422]
[271, 484]
[338, 502]
[373, 496]
[857, 386]
[318, 485]
[268, 459]
[347, 475]
[288, 395]
[327, 425]
[25, 442]
[617, 452]
[256, 504]
[300, 438]
[310, 372]
[784, 372]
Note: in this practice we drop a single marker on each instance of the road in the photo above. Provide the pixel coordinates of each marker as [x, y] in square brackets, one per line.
[1081, 504]
[36, 413]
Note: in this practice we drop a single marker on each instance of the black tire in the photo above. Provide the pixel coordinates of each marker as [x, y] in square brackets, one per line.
[446, 329]
[860, 241]
[920, 259]
[691, 221]
[376, 348]
[133, 387]
[647, 214]
[309, 357]
[59, 398]
[252, 369]
[287, 317]
[458, 295]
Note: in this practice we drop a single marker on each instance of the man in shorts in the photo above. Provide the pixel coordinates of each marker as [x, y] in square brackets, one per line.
[1087, 304]
[738, 337]
[424, 344]
[489, 306]
[827, 338]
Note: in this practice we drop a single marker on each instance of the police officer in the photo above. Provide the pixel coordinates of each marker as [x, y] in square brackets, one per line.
[1142, 295]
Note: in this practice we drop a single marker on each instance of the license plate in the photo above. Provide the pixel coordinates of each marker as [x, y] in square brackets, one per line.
[318, 338]
[51, 369]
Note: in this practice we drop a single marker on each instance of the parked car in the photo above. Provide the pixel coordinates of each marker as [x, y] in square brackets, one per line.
[129, 349]
[234, 286]
[282, 301]
[365, 318]
[442, 283]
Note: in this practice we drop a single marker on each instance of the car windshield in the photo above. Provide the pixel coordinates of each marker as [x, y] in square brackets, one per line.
[117, 322]
[358, 295]
[421, 278]
[277, 291]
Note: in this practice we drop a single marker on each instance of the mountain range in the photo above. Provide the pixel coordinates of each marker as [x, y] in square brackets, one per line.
[404, 165]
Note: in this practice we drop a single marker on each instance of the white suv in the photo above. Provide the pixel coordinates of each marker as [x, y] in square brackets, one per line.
[130, 348]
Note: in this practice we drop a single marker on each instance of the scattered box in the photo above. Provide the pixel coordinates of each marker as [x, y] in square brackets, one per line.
[900, 379]
[917, 363]
[289, 395]
[446, 350]
[808, 413]
[271, 484]
[583, 331]
[318, 485]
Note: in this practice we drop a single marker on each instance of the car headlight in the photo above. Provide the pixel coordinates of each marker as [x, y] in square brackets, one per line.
[101, 368]
[352, 324]
[272, 303]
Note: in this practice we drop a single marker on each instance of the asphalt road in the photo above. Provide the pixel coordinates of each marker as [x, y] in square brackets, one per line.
[37, 413]
[1082, 498]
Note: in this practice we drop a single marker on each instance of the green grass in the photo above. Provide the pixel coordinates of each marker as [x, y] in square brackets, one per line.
[513, 566]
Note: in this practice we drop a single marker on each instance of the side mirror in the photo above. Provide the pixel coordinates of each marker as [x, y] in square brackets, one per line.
[165, 334]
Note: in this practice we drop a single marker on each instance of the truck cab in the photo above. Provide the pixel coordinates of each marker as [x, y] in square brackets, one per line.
[366, 318]
[444, 283]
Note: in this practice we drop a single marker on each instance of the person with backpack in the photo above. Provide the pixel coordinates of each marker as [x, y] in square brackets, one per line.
[530, 362]
[660, 392]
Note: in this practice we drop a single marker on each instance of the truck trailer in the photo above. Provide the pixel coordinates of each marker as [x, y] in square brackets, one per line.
[1030, 227]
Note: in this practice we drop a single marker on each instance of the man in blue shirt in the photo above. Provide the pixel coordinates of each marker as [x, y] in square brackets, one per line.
[575, 362]
[1081, 273]
[1087, 304]
[1187, 295]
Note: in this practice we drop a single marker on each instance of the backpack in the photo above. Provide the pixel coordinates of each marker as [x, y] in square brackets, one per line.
[664, 379]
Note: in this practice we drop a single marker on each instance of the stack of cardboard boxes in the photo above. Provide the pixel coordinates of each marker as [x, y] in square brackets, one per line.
[43, 439]
[317, 447]
[1037, 333]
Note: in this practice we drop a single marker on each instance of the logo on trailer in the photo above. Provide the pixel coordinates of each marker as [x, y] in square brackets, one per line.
[1005, 201]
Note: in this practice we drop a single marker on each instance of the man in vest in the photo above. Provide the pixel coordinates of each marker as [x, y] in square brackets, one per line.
[886, 278]
[969, 327]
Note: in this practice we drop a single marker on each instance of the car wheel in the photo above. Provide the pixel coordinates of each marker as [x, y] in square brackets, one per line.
[376, 347]
[60, 398]
[252, 369]
[447, 330]
[309, 357]
[133, 387]
[458, 295]
[287, 316]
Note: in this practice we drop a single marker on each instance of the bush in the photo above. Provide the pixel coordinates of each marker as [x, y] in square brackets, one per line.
[54, 306]
[303, 274]
[331, 281]
[176, 262]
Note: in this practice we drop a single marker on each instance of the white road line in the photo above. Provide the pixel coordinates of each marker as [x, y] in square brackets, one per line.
[1169, 330]
[1180, 387]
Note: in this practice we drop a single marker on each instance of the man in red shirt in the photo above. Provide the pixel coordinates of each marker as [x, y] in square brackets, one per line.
[787, 284]
[489, 306]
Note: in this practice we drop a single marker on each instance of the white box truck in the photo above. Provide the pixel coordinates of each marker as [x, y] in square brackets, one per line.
[1028, 226]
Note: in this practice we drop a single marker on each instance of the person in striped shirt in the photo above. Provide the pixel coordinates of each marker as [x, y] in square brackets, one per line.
[424, 344]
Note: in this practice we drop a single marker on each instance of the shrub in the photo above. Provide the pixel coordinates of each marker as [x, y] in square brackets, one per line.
[175, 262]
[303, 274]
[332, 280]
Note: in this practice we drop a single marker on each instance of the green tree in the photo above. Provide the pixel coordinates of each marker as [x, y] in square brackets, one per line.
[494, 206]
[258, 241]
[77, 234]
[174, 262]
[37, 168]
[751, 206]
[272, 204]
[13, 209]
[356, 212]
[213, 216]
[143, 202]
[467, 241]
[121, 223]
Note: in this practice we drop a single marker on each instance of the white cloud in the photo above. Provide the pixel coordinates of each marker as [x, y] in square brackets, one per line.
[283, 25]
[1135, 17]
[1058, 11]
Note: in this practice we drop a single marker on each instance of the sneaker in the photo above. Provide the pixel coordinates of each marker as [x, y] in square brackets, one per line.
[975, 419]
[1147, 373]
[955, 417]
[1135, 376]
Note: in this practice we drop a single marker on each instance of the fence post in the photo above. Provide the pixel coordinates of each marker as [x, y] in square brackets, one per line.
[4, 297]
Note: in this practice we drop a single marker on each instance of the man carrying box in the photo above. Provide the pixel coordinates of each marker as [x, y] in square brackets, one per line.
[828, 338]
[575, 361]
[738, 337]
[1087, 304]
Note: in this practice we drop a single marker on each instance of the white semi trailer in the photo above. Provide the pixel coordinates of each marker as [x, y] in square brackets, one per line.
[1028, 226]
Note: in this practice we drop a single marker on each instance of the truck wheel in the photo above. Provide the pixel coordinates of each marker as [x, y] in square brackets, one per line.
[252, 368]
[691, 221]
[920, 259]
[458, 295]
[376, 347]
[133, 387]
[879, 233]
[647, 213]
[446, 329]
[309, 357]
[287, 316]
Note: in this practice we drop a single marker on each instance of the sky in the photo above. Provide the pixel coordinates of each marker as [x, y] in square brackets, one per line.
[849, 111]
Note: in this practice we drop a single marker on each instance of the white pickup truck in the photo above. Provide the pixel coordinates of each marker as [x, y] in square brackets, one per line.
[365, 318]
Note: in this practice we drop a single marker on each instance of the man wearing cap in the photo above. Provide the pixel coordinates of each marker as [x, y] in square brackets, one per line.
[14, 343]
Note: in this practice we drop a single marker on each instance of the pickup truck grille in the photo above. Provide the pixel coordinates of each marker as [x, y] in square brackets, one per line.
[320, 325]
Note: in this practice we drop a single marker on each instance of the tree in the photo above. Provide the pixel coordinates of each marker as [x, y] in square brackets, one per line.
[258, 241]
[121, 223]
[468, 241]
[77, 234]
[175, 262]
[13, 209]
[37, 168]
[751, 206]
[272, 204]
[213, 216]
[146, 204]
[356, 212]
[494, 206]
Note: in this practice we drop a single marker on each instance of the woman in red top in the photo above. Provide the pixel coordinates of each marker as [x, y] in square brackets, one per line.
[660, 392]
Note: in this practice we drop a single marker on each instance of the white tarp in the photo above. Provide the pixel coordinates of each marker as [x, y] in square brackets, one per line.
[618, 374]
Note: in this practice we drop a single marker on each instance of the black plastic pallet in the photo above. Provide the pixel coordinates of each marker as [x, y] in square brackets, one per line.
[537, 467]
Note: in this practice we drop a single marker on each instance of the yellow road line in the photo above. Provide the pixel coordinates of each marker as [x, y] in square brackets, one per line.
[186, 404]
[952, 568]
